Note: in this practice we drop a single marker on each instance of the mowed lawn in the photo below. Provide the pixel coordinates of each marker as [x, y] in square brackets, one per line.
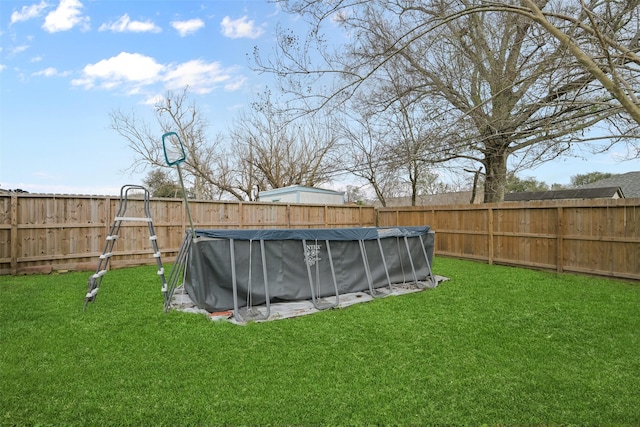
[494, 345]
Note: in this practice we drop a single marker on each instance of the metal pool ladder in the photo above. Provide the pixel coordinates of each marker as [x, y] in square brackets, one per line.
[96, 279]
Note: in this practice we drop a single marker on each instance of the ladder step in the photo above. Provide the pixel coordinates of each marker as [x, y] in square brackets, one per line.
[161, 271]
[92, 293]
[99, 274]
[156, 255]
[132, 218]
[114, 237]
[154, 237]
[107, 255]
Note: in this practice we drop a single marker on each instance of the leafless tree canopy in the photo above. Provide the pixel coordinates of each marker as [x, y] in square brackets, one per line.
[494, 82]
[275, 150]
[389, 150]
[264, 149]
[175, 114]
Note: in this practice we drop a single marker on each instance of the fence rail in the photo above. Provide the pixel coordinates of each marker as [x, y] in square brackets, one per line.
[42, 233]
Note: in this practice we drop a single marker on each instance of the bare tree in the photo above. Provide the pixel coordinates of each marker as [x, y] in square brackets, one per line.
[266, 148]
[500, 79]
[272, 150]
[204, 173]
[412, 139]
[391, 146]
[388, 150]
[369, 156]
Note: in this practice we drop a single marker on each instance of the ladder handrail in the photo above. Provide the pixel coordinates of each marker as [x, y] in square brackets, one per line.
[103, 264]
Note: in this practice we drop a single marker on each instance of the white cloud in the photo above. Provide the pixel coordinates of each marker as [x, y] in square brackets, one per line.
[47, 72]
[153, 99]
[136, 74]
[125, 24]
[50, 72]
[235, 84]
[239, 28]
[201, 77]
[67, 15]
[2, 67]
[19, 49]
[125, 68]
[28, 12]
[185, 28]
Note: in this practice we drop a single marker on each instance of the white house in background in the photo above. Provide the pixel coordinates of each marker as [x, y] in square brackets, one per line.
[302, 194]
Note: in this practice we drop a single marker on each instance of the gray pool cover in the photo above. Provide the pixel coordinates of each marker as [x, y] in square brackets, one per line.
[235, 268]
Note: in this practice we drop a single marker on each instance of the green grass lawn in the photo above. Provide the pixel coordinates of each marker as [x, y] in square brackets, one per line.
[495, 345]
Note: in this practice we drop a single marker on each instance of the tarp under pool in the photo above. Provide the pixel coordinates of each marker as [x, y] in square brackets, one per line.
[229, 269]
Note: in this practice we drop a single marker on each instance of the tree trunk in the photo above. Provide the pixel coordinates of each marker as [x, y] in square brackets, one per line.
[476, 178]
[496, 176]
[413, 192]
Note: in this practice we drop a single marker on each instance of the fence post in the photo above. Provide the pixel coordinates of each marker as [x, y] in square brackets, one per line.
[326, 210]
[288, 211]
[490, 233]
[559, 241]
[14, 234]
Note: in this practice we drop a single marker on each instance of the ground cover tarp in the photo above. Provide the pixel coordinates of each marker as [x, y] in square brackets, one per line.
[295, 261]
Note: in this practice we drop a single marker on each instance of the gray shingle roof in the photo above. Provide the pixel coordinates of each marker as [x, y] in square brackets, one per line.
[629, 183]
[574, 193]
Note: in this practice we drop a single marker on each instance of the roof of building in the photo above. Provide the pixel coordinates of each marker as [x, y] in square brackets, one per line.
[629, 183]
[574, 193]
[297, 188]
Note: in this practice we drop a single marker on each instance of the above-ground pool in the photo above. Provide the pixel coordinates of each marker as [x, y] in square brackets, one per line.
[236, 269]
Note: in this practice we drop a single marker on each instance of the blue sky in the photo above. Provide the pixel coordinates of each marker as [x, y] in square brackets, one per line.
[66, 64]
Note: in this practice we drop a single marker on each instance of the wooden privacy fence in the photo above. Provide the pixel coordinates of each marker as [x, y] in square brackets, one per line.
[585, 236]
[42, 233]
